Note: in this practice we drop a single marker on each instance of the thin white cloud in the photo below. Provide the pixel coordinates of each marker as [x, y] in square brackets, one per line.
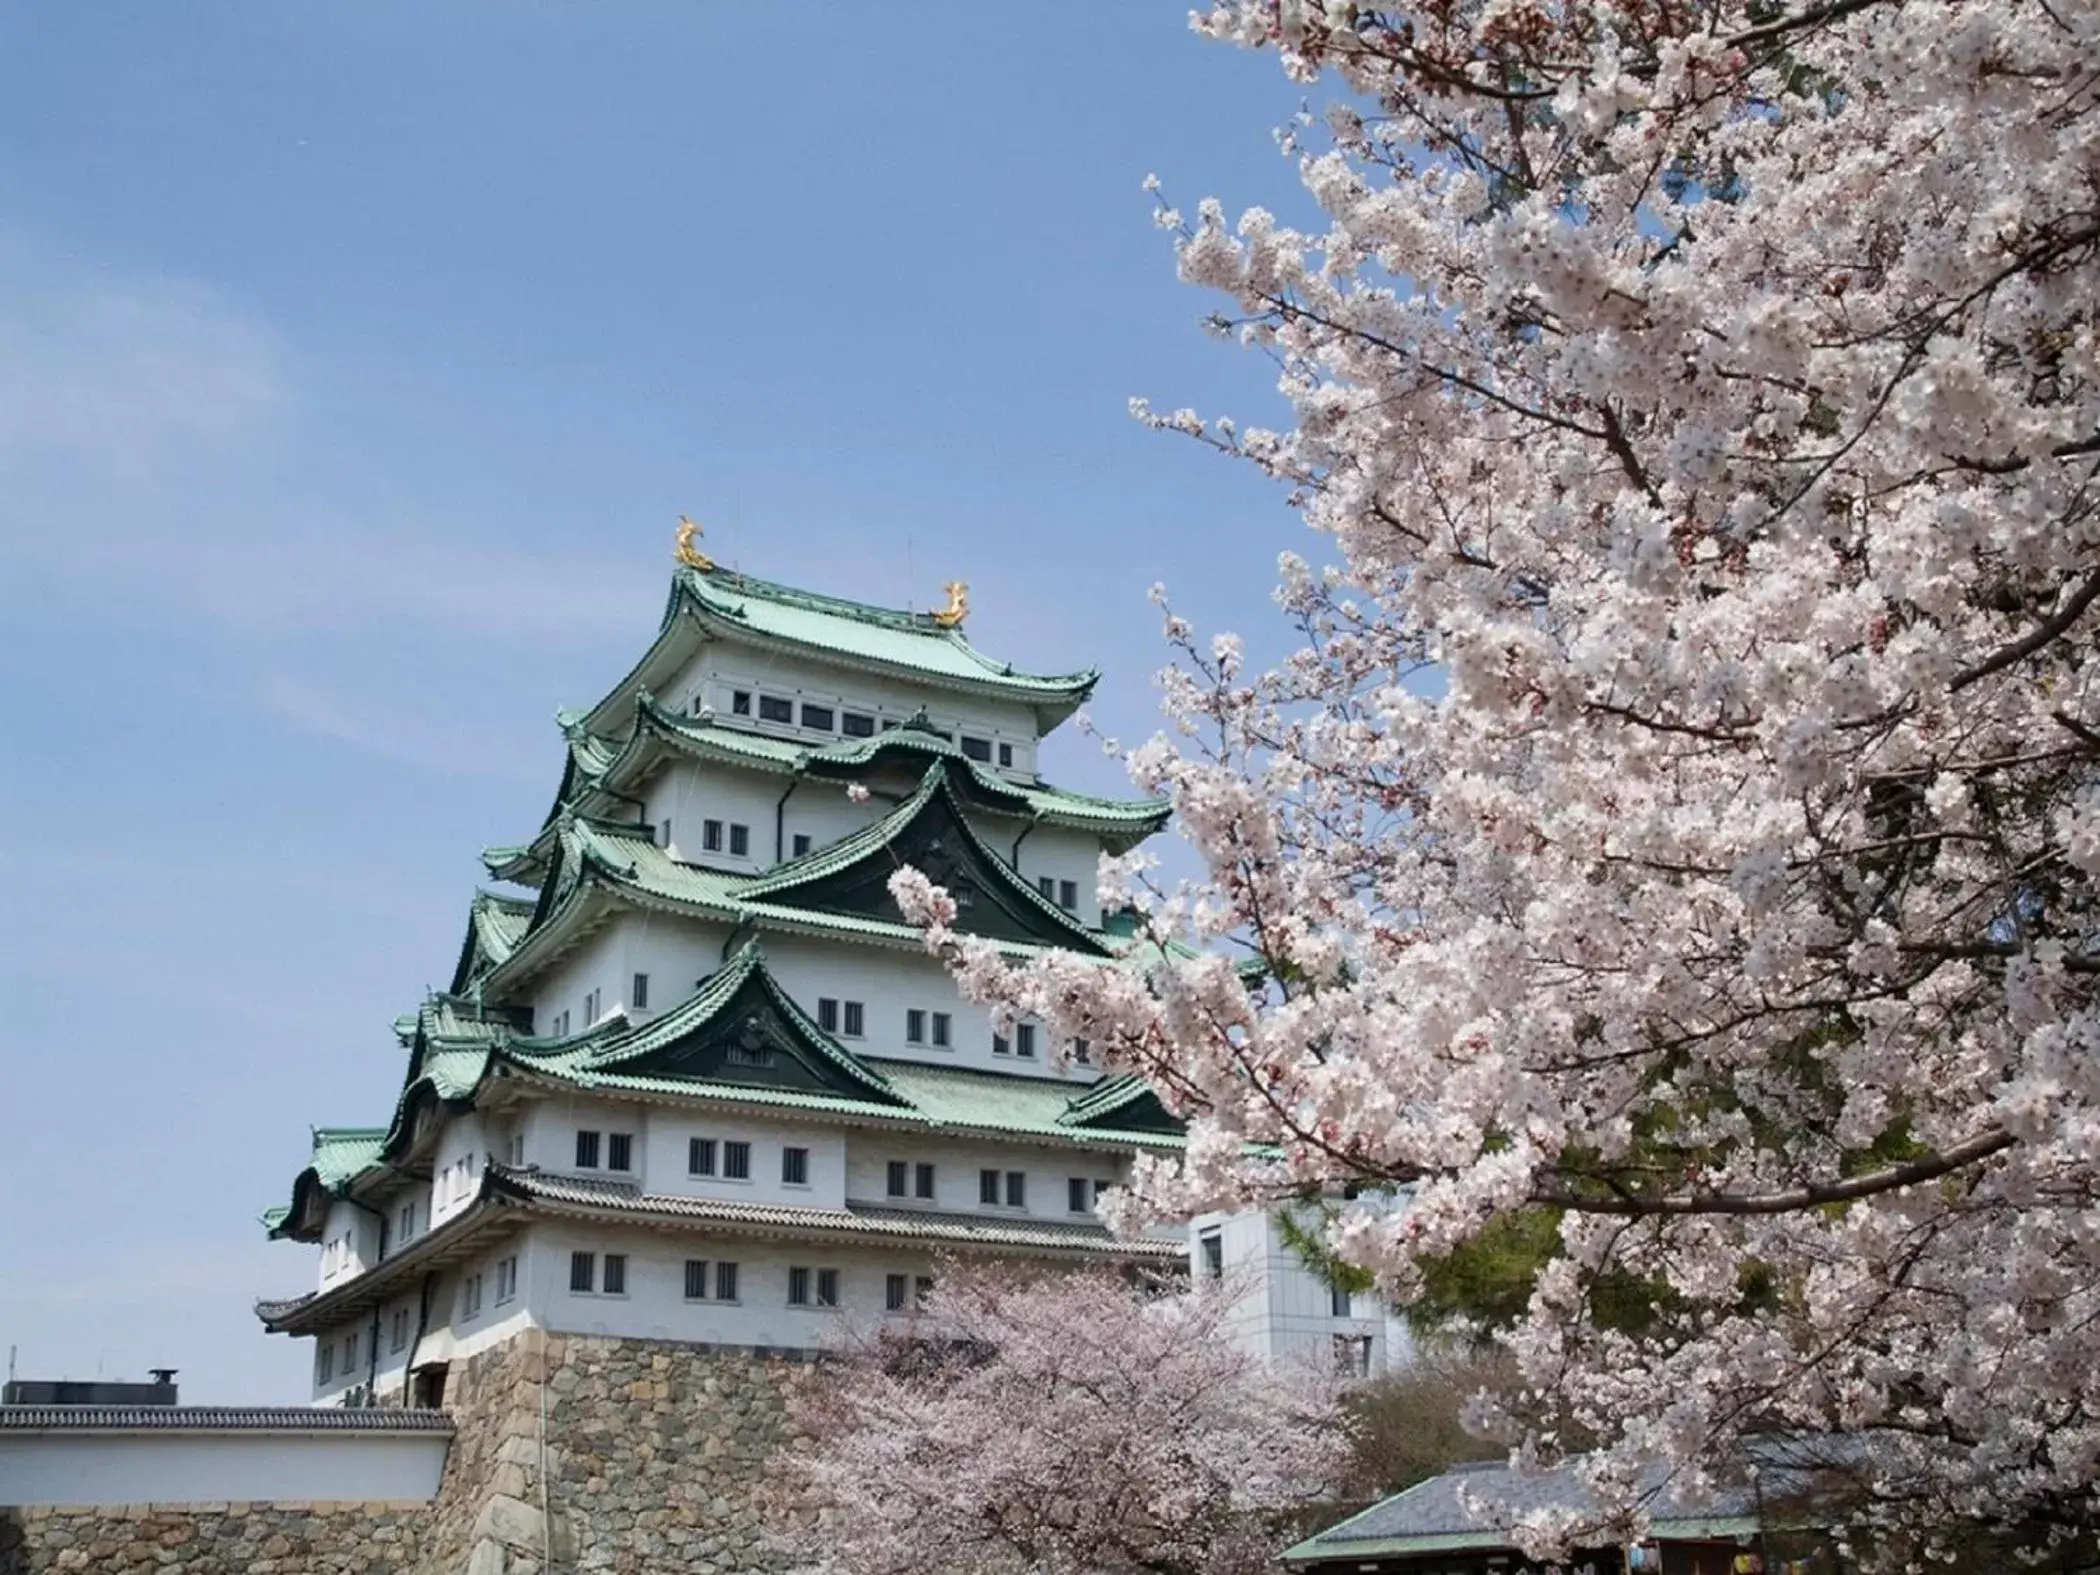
[405, 738]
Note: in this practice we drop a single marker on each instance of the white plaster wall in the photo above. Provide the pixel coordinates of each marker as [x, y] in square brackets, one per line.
[462, 1147]
[669, 1133]
[65, 1467]
[349, 1224]
[690, 793]
[1065, 854]
[674, 952]
[890, 982]
[956, 1167]
[1286, 1313]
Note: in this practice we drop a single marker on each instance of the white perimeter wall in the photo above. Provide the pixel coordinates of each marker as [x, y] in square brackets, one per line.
[97, 1468]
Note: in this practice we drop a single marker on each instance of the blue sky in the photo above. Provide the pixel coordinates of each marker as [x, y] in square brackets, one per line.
[355, 361]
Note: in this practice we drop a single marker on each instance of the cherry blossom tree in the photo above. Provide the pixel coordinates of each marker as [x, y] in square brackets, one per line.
[1707, 392]
[1059, 1424]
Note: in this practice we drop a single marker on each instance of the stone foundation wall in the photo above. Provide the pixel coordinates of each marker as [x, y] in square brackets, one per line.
[213, 1539]
[614, 1456]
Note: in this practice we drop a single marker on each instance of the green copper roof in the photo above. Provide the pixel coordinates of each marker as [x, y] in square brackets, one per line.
[912, 642]
[342, 1152]
[724, 605]
[495, 925]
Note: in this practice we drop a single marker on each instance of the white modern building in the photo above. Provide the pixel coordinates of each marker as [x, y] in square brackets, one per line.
[694, 1078]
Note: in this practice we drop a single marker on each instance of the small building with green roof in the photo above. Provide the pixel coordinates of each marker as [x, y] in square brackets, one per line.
[692, 1076]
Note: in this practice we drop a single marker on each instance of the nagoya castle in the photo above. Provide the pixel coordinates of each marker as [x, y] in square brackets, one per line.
[695, 1093]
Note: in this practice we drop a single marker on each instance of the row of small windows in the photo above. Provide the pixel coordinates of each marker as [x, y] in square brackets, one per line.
[1065, 893]
[559, 1024]
[474, 1291]
[817, 718]
[719, 1280]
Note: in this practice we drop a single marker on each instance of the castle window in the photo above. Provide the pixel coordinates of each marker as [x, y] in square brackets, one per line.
[914, 1026]
[616, 1274]
[1211, 1246]
[1083, 1052]
[640, 992]
[856, 1019]
[943, 1030]
[506, 1280]
[736, 1161]
[739, 702]
[794, 1167]
[923, 1180]
[800, 845]
[725, 1282]
[896, 1292]
[798, 1287]
[711, 836]
[700, 1157]
[1017, 1189]
[828, 1014]
[856, 724]
[1339, 1295]
[827, 1287]
[922, 1287]
[696, 1279]
[1352, 1355]
[1068, 895]
[1006, 756]
[1024, 1041]
[561, 1023]
[771, 708]
[324, 1357]
[818, 717]
[988, 1187]
[619, 1151]
[470, 1296]
[740, 842]
[1001, 1045]
[583, 1272]
[1077, 1200]
[977, 748]
[590, 1008]
[586, 1151]
[899, 1181]
[397, 1339]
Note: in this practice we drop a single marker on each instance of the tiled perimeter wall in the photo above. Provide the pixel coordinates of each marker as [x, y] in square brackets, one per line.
[653, 1454]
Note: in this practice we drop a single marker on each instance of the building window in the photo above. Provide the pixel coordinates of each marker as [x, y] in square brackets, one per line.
[818, 717]
[514, 1150]
[619, 1151]
[1068, 895]
[1047, 886]
[801, 843]
[736, 1161]
[1006, 756]
[740, 841]
[1340, 1298]
[561, 1023]
[943, 1030]
[506, 1279]
[616, 1274]
[1024, 1041]
[914, 1027]
[771, 708]
[899, 1178]
[1078, 1196]
[896, 1292]
[922, 1180]
[827, 1287]
[711, 836]
[725, 1282]
[590, 1008]
[988, 1186]
[408, 1221]
[977, 748]
[349, 1353]
[397, 1337]
[798, 1287]
[856, 1019]
[640, 992]
[1001, 1045]
[700, 1157]
[1083, 1052]
[696, 1279]
[794, 1167]
[470, 1296]
[856, 724]
[1352, 1355]
[324, 1355]
[583, 1272]
[739, 702]
[586, 1151]
[921, 1288]
[1212, 1248]
[828, 1014]
[1017, 1189]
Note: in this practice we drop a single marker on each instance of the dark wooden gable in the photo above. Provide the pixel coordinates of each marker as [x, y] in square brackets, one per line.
[990, 899]
[750, 1041]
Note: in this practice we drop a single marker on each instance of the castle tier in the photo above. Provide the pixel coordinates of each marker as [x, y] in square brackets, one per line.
[694, 1078]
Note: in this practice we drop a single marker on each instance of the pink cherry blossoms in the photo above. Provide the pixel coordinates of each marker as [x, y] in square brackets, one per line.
[1706, 398]
[1059, 1425]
